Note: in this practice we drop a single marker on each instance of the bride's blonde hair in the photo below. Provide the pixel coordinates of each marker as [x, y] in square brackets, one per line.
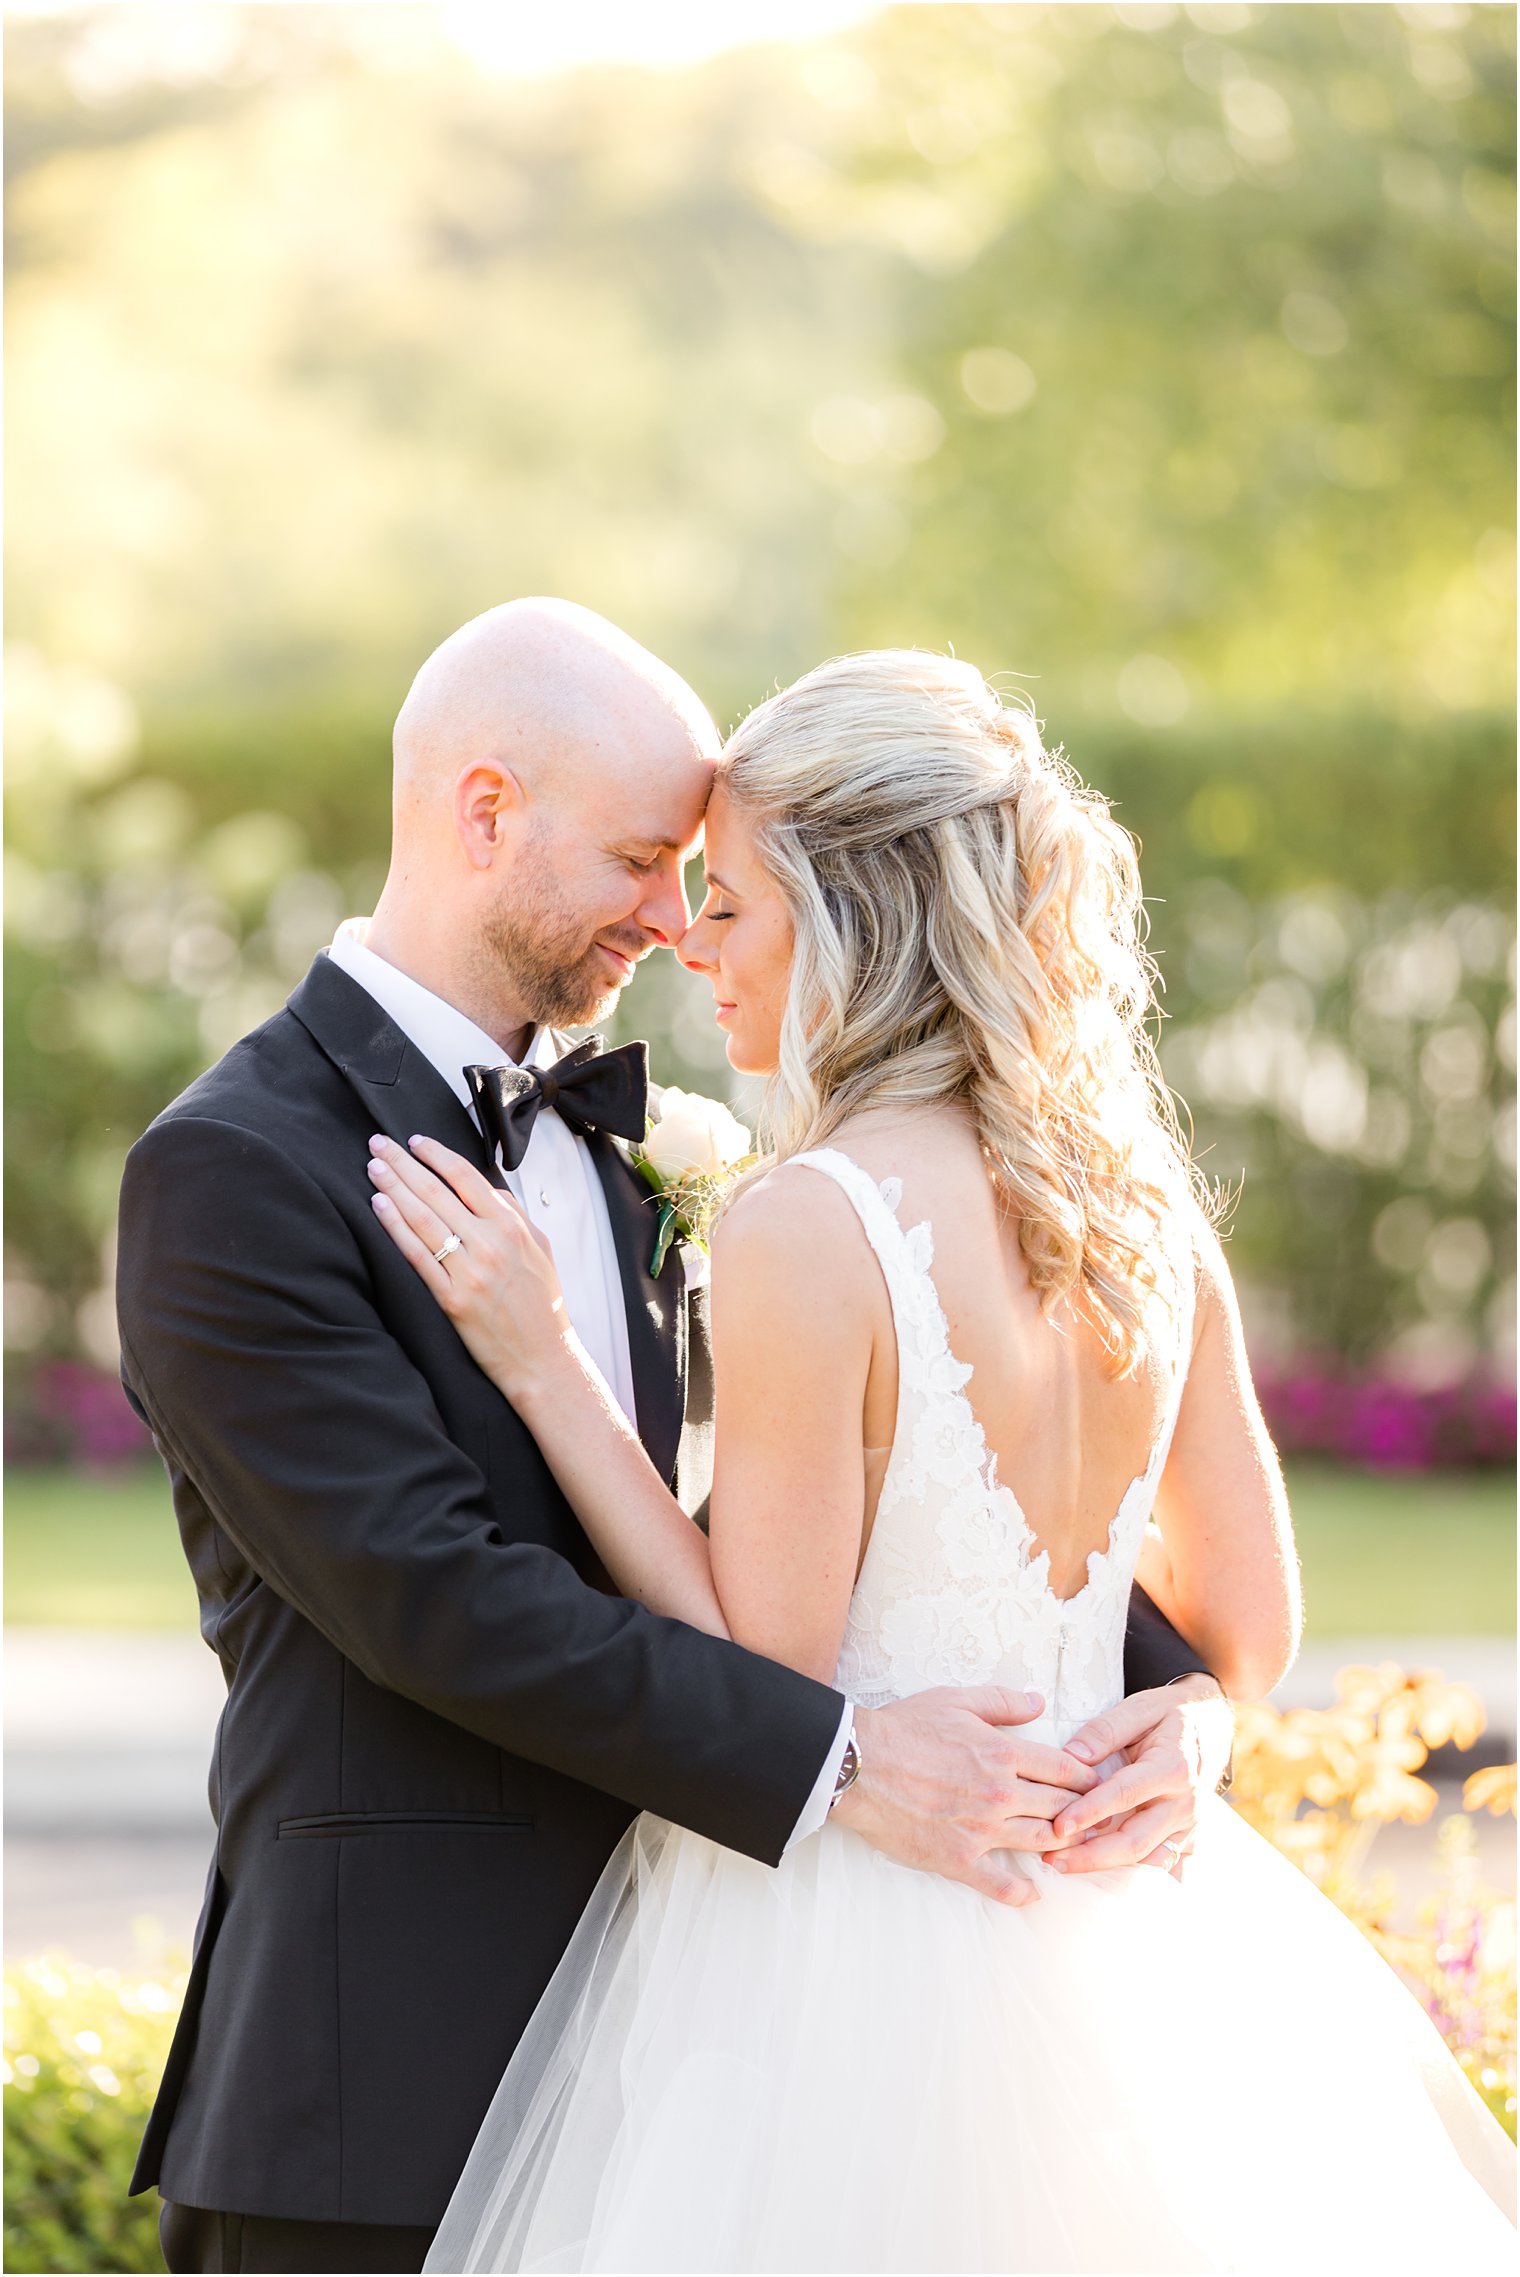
[969, 926]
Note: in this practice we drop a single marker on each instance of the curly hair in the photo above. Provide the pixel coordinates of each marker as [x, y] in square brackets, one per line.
[968, 925]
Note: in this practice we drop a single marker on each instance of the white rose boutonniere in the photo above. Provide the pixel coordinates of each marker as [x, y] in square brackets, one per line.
[693, 1149]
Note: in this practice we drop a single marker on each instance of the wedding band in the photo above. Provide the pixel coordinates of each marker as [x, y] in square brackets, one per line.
[448, 1249]
[1173, 1851]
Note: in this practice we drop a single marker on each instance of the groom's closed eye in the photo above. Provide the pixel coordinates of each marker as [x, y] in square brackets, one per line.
[647, 855]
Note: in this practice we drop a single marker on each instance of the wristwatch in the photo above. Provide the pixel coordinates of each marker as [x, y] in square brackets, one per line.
[849, 1770]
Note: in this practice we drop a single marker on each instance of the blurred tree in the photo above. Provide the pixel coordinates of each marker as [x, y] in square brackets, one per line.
[1209, 312]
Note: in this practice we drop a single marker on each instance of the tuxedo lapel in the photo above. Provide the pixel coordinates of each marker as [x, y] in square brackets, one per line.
[403, 1091]
[656, 1309]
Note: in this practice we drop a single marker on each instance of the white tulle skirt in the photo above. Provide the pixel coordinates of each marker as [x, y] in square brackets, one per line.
[845, 2065]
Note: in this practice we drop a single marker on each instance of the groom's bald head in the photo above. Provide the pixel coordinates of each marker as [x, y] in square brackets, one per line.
[550, 775]
[557, 694]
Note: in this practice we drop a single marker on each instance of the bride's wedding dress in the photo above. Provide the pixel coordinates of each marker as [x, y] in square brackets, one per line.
[843, 2064]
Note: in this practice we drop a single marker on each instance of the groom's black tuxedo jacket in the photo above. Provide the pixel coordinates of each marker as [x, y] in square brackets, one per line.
[439, 1719]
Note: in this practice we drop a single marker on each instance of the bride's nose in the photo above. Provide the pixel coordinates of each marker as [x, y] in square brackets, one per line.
[695, 947]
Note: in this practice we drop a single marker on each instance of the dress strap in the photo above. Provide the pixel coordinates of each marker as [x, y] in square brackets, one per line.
[874, 1203]
[876, 1207]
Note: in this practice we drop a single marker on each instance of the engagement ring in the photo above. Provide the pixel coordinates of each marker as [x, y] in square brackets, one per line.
[448, 1249]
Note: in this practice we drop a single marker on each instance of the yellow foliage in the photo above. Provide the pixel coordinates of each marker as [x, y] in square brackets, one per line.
[1318, 1782]
[1491, 1790]
[1353, 1765]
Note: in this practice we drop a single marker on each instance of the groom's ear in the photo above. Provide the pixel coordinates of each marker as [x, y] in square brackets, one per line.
[488, 807]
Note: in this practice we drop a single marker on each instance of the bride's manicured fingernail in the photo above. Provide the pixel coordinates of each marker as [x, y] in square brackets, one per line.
[381, 1170]
[377, 1144]
[381, 1205]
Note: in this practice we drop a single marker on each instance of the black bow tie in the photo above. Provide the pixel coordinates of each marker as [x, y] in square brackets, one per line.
[591, 1089]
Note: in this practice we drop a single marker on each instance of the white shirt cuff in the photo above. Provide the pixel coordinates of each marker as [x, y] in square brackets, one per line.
[816, 1809]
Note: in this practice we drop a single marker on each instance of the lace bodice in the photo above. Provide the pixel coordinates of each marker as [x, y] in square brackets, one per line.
[953, 1589]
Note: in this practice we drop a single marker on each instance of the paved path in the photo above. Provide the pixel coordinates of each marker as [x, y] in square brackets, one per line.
[108, 1729]
[114, 1900]
[109, 1732]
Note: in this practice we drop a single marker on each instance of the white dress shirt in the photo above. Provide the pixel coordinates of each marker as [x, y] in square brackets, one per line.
[557, 1184]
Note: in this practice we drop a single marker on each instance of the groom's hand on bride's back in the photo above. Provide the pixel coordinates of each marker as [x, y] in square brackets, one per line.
[950, 1784]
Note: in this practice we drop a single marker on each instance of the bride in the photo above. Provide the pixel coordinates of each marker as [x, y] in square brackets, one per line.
[978, 1359]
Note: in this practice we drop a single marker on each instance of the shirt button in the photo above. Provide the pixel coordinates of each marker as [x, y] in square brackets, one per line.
[543, 1197]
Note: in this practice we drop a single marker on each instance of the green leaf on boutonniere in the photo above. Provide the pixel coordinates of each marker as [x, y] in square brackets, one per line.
[670, 1226]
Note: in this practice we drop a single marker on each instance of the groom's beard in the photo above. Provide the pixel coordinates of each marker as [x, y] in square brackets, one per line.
[558, 976]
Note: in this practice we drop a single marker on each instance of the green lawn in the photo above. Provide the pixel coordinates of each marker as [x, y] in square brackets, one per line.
[95, 1553]
[1405, 1556]
[1382, 1556]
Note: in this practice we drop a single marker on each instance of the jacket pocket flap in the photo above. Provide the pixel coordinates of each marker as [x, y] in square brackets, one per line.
[402, 1822]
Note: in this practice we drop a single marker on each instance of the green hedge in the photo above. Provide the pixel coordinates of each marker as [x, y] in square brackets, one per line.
[84, 2050]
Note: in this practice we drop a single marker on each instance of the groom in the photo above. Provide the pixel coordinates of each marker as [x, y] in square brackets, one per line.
[439, 1717]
